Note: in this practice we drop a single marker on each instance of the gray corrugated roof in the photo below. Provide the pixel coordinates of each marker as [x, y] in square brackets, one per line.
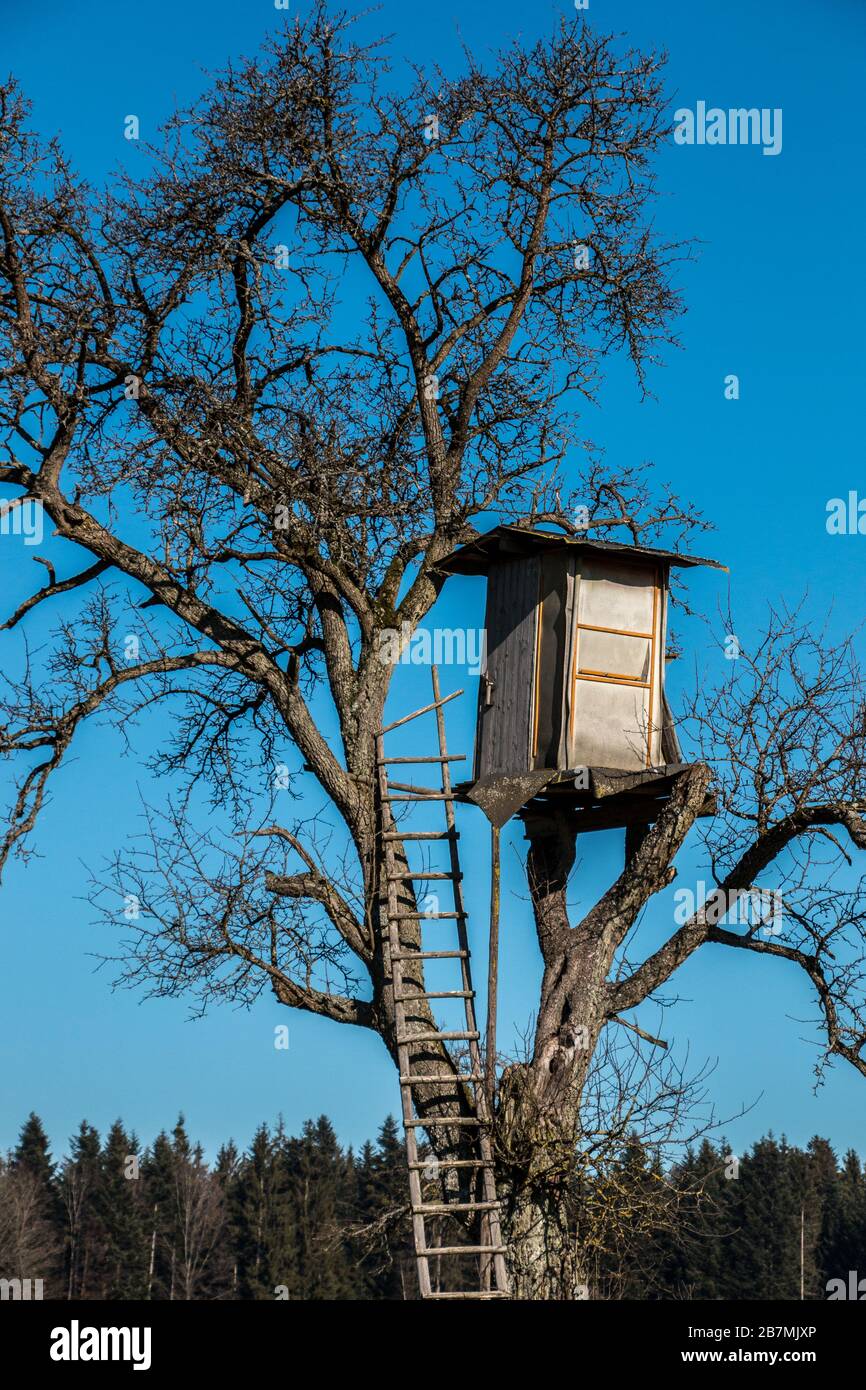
[503, 541]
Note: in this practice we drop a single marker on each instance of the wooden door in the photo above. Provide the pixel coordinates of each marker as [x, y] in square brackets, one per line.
[615, 706]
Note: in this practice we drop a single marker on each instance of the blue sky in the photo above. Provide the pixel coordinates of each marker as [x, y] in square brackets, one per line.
[775, 296]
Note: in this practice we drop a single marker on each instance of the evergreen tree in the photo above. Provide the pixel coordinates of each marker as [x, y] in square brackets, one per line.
[319, 1175]
[765, 1247]
[304, 1219]
[32, 1155]
[122, 1211]
[386, 1266]
[160, 1218]
[694, 1253]
[227, 1172]
[849, 1250]
[807, 1179]
[80, 1180]
[264, 1202]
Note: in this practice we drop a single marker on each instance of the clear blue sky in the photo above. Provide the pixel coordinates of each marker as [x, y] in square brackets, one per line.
[776, 296]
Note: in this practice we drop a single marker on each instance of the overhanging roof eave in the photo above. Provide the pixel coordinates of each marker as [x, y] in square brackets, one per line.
[504, 542]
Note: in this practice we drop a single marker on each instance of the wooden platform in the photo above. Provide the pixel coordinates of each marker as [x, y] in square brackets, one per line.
[600, 798]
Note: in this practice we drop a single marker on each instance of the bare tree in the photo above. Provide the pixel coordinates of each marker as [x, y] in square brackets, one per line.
[200, 1221]
[784, 734]
[29, 1247]
[260, 391]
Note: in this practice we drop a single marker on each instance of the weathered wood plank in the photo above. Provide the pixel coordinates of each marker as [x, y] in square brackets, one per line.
[504, 728]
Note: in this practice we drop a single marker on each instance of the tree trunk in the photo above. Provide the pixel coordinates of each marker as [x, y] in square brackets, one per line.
[539, 1145]
[543, 1256]
[538, 1120]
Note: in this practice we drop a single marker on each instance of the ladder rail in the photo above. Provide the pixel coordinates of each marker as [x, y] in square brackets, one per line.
[395, 964]
[499, 1272]
[475, 1127]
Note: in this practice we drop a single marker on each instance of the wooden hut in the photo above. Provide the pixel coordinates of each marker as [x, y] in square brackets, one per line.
[572, 700]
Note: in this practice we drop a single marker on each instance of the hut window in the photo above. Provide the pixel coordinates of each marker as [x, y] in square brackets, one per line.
[614, 655]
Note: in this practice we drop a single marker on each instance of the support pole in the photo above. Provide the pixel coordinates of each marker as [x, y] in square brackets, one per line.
[635, 834]
[492, 971]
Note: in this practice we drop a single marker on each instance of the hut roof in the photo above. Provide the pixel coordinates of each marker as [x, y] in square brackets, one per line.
[509, 542]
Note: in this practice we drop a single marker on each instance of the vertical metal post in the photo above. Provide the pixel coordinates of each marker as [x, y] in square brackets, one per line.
[492, 972]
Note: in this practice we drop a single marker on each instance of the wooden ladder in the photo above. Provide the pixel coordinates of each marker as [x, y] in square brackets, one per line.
[490, 1250]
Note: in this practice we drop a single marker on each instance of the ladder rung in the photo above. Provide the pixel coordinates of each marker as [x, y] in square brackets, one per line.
[437, 758]
[430, 1250]
[441, 1120]
[417, 1079]
[451, 1163]
[427, 916]
[403, 878]
[395, 786]
[434, 1208]
[421, 835]
[386, 728]
[405, 1039]
[430, 955]
[433, 796]
[436, 994]
[473, 1293]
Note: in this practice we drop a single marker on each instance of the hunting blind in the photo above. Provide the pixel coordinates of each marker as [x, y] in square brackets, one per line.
[573, 722]
[572, 700]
